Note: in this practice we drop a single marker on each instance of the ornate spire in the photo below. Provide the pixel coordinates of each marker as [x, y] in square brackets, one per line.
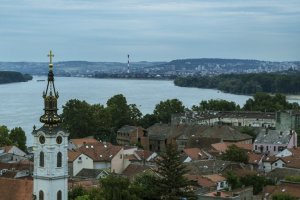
[50, 118]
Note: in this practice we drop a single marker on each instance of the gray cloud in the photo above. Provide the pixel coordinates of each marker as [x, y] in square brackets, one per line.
[149, 30]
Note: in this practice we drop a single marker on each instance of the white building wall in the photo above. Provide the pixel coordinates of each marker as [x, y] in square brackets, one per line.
[15, 150]
[117, 162]
[82, 162]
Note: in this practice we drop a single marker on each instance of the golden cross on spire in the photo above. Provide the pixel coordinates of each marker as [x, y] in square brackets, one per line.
[51, 56]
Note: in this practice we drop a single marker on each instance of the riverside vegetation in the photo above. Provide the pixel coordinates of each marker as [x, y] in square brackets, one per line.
[284, 82]
[12, 77]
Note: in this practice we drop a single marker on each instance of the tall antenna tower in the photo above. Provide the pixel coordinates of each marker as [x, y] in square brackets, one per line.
[128, 65]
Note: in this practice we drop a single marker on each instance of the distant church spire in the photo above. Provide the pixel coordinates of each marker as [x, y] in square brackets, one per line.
[50, 117]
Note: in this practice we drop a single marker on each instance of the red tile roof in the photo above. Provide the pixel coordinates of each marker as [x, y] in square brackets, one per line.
[100, 151]
[194, 153]
[285, 188]
[134, 169]
[201, 181]
[254, 158]
[16, 189]
[81, 141]
[144, 154]
[215, 178]
[72, 155]
[223, 146]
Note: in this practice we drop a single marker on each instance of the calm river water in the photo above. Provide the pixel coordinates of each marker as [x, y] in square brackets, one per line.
[21, 104]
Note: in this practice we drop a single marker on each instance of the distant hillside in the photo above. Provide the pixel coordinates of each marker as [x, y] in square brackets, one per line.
[285, 82]
[12, 77]
[174, 68]
[213, 66]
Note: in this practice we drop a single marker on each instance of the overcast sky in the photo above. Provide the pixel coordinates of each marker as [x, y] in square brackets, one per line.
[151, 30]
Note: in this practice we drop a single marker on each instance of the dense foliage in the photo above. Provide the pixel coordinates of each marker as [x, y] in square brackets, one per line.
[257, 182]
[236, 154]
[11, 77]
[82, 119]
[173, 184]
[216, 104]
[266, 103]
[283, 196]
[15, 137]
[165, 109]
[246, 83]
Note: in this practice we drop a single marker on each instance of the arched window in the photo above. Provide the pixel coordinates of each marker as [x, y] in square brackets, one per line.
[41, 195]
[59, 158]
[42, 163]
[59, 195]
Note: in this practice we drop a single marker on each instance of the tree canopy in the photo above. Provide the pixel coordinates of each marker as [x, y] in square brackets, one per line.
[235, 154]
[173, 184]
[165, 109]
[16, 136]
[287, 83]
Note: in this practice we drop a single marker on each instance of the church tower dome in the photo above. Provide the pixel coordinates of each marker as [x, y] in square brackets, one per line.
[50, 148]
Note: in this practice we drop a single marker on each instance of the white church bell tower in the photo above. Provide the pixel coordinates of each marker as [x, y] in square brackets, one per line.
[50, 149]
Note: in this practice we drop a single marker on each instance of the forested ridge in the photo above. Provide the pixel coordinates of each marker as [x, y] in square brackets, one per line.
[287, 83]
[11, 77]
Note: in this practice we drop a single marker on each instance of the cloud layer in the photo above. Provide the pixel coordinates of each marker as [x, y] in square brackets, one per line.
[150, 30]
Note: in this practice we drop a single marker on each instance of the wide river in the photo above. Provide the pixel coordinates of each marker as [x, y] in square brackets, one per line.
[21, 104]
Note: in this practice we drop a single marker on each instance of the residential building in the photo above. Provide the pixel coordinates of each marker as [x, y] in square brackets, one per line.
[287, 120]
[292, 189]
[104, 156]
[78, 161]
[133, 135]
[219, 180]
[271, 142]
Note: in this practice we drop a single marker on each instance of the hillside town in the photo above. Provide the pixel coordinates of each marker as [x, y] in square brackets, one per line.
[201, 139]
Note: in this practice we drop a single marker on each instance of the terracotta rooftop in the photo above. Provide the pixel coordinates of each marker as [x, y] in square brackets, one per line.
[6, 148]
[16, 189]
[215, 178]
[144, 154]
[73, 154]
[134, 169]
[100, 151]
[254, 158]
[81, 141]
[201, 181]
[226, 133]
[194, 153]
[285, 188]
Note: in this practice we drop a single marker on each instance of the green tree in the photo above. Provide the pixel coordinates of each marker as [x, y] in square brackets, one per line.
[235, 154]
[78, 118]
[119, 110]
[173, 185]
[4, 136]
[115, 187]
[145, 186]
[258, 182]
[17, 136]
[217, 105]
[77, 192]
[135, 114]
[283, 196]
[233, 180]
[148, 120]
[165, 109]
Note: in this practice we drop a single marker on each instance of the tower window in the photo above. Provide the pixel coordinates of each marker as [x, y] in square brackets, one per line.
[41, 195]
[59, 159]
[42, 159]
[59, 195]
